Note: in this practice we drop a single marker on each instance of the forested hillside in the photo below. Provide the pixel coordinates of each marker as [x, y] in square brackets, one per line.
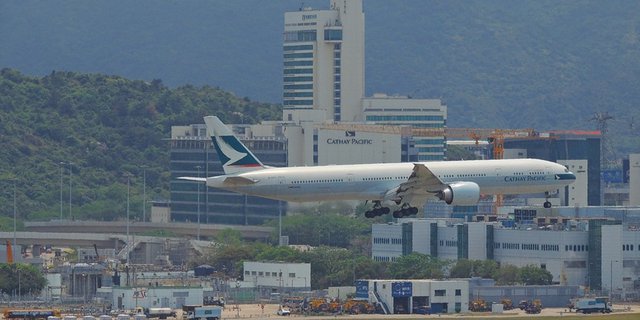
[545, 64]
[108, 127]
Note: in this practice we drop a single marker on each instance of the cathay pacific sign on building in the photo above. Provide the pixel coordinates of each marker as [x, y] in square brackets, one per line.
[353, 147]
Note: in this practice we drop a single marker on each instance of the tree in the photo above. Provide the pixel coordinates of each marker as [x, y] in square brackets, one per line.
[330, 267]
[21, 278]
[530, 275]
[463, 268]
[328, 229]
[229, 236]
[417, 266]
[507, 275]
[485, 268]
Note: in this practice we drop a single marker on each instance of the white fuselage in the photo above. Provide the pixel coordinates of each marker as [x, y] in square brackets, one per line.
[373, 181]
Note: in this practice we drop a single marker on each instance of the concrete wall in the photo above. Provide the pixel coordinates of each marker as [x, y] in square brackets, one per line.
[634, 179]
[576, 194]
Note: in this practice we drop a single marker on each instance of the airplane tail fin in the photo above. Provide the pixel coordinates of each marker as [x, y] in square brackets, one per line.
[234, 156]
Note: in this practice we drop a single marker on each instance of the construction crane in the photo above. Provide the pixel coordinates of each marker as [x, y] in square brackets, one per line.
[495, 137]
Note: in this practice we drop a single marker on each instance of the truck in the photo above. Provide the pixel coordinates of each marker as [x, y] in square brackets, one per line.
[589, 305]
[161, 313]
[30, 313]
[204, 313]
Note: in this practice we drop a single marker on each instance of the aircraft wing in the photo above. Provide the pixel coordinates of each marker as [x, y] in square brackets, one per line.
[230, 180]
[421, 185]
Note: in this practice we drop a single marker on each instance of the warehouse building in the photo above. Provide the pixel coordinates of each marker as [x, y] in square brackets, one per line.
[411, 296]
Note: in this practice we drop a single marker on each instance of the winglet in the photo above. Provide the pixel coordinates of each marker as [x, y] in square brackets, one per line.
[234, 156]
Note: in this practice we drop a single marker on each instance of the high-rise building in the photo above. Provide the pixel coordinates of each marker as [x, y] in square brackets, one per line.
[324, 61]
[430, 115]
[193, 155]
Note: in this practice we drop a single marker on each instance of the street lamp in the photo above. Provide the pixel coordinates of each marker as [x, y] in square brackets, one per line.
[19, 285]
[15, 216]
[144, 193]
[128, 189]
[198, 167]
[611, 277]
[61, 169]
[70, 178]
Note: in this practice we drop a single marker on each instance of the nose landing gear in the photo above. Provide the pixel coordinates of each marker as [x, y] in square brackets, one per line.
[547, 204]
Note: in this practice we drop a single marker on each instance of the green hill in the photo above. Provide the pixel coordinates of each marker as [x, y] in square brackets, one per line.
[543, 64]
[108, 127]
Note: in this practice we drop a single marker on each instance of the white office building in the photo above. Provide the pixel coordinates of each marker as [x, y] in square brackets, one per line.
[324, 61]
[602, 254]
[277, 275]
[429, 115]
[408, 296]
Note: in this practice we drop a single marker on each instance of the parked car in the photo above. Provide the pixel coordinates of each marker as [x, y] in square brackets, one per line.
[283, 311]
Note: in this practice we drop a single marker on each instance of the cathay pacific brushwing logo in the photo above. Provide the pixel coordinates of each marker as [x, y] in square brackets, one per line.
[233, 155]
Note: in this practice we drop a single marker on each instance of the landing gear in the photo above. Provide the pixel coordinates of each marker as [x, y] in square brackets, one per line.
[377, 210]
[547, 204]
[405, 211]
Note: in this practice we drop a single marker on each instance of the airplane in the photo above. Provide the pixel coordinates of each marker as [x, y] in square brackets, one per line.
[406, 185]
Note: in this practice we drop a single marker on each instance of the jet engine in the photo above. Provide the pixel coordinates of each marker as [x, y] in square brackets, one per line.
[460, 193]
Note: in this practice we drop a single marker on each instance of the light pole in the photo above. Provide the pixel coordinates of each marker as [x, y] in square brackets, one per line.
[61, 169]
[198, 167]
[611, 277]
[128, 242]
[19, 285]
[144, 193]
[15, 216]
[70, 178]
[280, 223]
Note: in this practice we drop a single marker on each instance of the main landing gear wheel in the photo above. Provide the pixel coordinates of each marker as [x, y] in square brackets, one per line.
[408, 211]
[377, 210]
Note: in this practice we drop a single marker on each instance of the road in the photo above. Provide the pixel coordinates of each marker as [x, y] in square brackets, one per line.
[254, 311]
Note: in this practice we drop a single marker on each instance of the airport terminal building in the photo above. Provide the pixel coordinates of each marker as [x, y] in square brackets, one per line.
[600, 253]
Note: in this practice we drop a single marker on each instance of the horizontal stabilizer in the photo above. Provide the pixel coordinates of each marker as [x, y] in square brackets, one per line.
[239, 181]
[193, 179]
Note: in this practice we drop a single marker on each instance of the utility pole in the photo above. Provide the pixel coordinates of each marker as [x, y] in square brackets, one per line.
[128, 242]
[198, 167]
[70, 179]
[61, 169]
[15, 216]
[144, 193]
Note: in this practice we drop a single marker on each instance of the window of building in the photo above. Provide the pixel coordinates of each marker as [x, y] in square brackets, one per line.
[292, 275]
[332, 34]
[458, 292]
[440, 293]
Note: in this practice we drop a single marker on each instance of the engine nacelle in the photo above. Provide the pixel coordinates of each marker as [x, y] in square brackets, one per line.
[460, 193]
